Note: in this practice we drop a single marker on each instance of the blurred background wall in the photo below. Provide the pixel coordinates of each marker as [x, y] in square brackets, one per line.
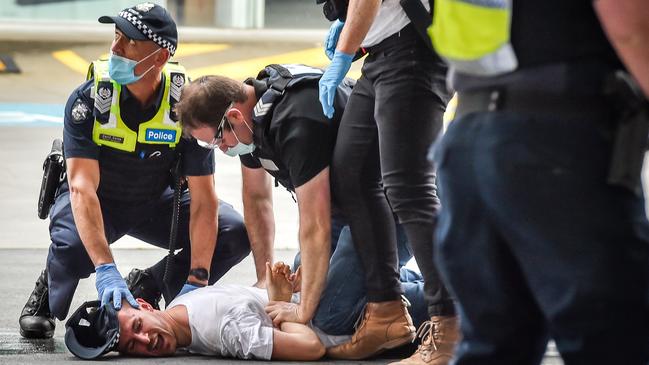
[235, 14]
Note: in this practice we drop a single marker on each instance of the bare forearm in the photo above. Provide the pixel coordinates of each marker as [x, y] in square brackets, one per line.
[299, 328]
[203, 225]
[297, 342]
[90, 225]
[625, 23]
[315, 246]
[260, 224]
[360, 16]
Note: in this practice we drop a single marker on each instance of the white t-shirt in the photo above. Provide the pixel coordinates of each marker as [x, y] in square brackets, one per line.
[390, 19]
[230, 321]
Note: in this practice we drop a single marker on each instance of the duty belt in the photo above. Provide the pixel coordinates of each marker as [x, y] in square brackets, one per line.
[565, 106]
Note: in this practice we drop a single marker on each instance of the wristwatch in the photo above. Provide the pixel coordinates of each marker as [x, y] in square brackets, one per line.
[199, 273]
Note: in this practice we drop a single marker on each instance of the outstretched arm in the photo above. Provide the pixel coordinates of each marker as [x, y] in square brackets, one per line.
[314, 204]
[203, 223]
[258, 216]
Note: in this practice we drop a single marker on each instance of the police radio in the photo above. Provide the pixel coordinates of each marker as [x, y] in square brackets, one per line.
[53, 175]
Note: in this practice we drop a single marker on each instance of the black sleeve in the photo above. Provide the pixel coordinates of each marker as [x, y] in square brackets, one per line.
[305, 148]
[197, 161]
[78, 122]
[250, 161]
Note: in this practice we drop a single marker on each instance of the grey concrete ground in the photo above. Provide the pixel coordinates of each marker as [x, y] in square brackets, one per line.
[24, 238]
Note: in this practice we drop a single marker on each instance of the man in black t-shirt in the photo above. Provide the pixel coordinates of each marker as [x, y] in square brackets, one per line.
[294, 145]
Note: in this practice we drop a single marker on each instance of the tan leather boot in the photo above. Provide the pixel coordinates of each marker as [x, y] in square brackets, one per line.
[439, 336]
[385, 325]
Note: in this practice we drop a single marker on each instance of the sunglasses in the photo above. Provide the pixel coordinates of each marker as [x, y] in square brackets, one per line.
[215, 143]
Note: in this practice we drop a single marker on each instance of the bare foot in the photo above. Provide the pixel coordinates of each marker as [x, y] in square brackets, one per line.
[278, 283]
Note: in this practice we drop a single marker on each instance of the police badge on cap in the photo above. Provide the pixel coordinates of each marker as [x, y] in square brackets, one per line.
[92, 331]
[147, 21]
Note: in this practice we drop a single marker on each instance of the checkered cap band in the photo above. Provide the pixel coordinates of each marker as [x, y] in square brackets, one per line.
[133, 19]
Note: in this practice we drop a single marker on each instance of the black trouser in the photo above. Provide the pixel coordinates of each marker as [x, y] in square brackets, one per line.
[534, 242]
[380, 164]
[68, 260]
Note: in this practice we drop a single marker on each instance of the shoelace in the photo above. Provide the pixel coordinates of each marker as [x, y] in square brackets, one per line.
[426, 333]
[37, 296]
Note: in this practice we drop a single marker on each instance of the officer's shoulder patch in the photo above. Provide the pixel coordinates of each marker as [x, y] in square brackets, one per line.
[79, 112]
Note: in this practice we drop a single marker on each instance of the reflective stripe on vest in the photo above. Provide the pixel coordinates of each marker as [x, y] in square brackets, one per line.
[473, 35]
[110, 130]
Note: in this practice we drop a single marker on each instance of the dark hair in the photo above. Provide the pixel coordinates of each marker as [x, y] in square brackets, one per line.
[204, 101]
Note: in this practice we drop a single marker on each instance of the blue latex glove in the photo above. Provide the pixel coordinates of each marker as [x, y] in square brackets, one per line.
[187, 288]
[331, 40]
[331, 78]
[111, 285]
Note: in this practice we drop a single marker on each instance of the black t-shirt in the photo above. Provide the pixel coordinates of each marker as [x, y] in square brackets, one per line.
[79, 120]
[301, 137]
[560, 45]
[558, 31]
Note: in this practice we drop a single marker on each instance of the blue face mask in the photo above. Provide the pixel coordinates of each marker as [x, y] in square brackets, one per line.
[240, 148]
[122, 69]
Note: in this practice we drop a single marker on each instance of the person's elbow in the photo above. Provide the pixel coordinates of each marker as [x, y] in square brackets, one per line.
[315, 351]
[80, 190]
[205, 205]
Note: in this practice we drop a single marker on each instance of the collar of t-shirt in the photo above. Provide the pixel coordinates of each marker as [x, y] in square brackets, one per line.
[260, 86]
[133, 113]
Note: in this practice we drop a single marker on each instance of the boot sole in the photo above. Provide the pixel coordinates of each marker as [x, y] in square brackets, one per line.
[36, 334]
[384, 347]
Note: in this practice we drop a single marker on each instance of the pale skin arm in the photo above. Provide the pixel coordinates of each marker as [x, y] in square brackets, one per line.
[627, 26]
[314, 204]
[360, 16]
[83, 180]
[296, 342]
[258, 217]
[203, 222]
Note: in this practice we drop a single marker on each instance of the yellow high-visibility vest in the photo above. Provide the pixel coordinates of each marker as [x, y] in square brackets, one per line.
[473, 36]
[110, 130]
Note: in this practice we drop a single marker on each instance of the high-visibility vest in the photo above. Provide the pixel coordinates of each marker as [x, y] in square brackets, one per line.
[473, 36]
[110, 130]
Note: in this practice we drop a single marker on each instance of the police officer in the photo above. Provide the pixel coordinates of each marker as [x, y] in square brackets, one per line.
[380, 166]
[271, 122]
[539, 237]
[121, 138]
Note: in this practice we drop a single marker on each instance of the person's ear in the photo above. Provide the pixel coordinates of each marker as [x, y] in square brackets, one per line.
[144, 305]
[162, 57]
[234, 114]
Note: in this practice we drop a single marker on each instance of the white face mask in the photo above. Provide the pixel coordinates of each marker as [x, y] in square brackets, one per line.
[240, 148]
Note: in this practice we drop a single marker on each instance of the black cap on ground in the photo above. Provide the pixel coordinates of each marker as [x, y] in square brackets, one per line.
[92, 331]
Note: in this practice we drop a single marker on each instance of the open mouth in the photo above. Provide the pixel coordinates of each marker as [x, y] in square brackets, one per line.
[156, 343]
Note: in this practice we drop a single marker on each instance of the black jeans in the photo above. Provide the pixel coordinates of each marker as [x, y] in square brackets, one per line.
[380, 163]
[536, 245]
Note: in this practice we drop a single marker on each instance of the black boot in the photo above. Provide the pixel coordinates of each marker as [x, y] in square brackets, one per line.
[36, 321]
[142, 285]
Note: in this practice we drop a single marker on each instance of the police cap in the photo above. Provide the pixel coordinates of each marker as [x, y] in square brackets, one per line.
[147, 21]
[92, 331]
